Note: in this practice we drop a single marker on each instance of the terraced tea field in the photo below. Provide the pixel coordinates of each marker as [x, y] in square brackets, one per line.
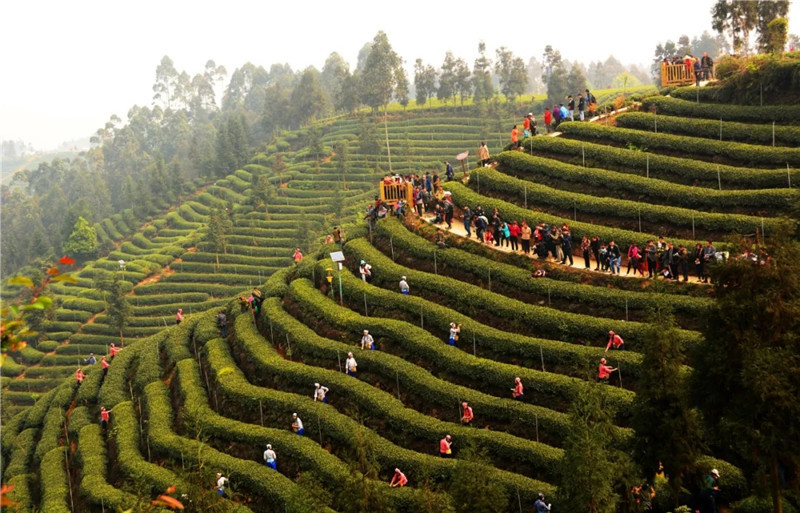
[185, 398]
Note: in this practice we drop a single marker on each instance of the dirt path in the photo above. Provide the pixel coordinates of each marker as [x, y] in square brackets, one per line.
[578, 263]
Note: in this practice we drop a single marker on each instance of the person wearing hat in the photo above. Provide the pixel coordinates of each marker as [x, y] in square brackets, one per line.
[320, 393]
[366, 271]
[350, 365]
[518, 392]
[91, 360]
[221, 481]
[398, 480]
[367, 341]
[403, 285]
[526, 125]
[270, 458]
[104, 417]
[449, 172]
[615, 341]
[454, 331]
[79, 376]
[604, 371]
[540, 505]
[445, 447]
[710, 490]
[179, 316]
[467, 415]
[297, 425]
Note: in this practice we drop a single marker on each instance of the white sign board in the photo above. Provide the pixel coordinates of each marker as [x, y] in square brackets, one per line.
[337, 256]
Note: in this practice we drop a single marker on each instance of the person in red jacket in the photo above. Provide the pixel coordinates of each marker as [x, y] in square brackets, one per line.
[104, 417]
[113, 350]
[445, 450]
[548, 120]
[604, 371]
[467, 416]
[79, 375]
[104, 364]
[514, 232]
[615, 341]
[518, 390]
[399, 479]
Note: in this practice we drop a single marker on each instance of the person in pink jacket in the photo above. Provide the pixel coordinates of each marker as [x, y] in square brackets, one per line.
[615, 341]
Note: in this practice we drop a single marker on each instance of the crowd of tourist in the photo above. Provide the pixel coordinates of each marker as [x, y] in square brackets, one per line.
[701, 68]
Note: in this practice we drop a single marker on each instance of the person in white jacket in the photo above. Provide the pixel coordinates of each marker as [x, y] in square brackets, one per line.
[367, 341]
[351, 366]
[320, 393]
[297, 425]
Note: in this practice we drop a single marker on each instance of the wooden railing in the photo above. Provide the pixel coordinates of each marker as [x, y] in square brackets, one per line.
[676, 74]
[391, 193]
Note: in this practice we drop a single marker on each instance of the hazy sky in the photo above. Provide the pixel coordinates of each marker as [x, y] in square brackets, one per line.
[68, 65]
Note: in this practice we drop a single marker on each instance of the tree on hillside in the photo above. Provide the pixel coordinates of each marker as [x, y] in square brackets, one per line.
[278, 167]
[666, 429]
[219, 227]
[368, 144]
[307, 99]
[332, 79]
[705, 43]
[424, 82]
[82, 242]
[746, 377]
[471, 489]
[383, 72]
[587, 467]
[447, 79]
[769, 11]
[262, 193]
[342, 158]
[735, 20]
[402, 90]
[118, 308]
[512, 72]
[555, 76]
[463, 81]
[776, 34]
[314, 142]
[166, 83]
[350, 100]
[535, 84]
[482, 75]
[624, 81]
[576, 81]
[277, 108]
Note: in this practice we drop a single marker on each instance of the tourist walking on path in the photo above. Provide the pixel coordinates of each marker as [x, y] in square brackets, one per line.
[595, 245]
[518, 392]
[586, 248]
[566, 245]
[548, 121]
[179, 316]
[351, 366]
[709, 253]
[467, 415]
[651, 254]
[514, 232]
[320, 393]
[297, 425]
[467, 216]
[515, 138]
[367, 342]
[398, 480]
[710, 491]
[615, 341]
[270, 458]
[525, 237]
[633, 259]
[446, 447]
[404, 286]
[699, 262]
[614, 257]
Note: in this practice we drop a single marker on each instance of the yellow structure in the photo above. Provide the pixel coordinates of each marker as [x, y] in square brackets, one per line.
[391, 193]
[675, 75]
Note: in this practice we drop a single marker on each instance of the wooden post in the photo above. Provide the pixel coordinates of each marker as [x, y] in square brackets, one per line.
[526, 196]
[693, 236]
[773, 133]
[391, 245]
[719, 178]
[541, 356]
[583, 154]
[366, 313]
[397, 378]
[647, 157]
[435, 264]
[339, 359]
[474, 352]
[788, 175]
